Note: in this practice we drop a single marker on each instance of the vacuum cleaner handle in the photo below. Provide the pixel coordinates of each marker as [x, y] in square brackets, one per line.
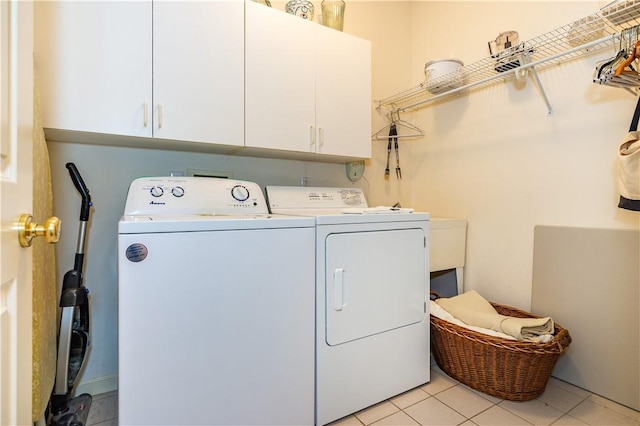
[82, 189]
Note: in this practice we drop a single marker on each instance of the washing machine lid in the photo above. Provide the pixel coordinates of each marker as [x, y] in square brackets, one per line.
[144, 224]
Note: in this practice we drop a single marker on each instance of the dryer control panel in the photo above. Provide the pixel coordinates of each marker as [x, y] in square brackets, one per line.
[302, 197]
[194, 195]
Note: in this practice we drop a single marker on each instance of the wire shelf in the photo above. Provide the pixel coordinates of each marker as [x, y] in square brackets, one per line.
[603, 29]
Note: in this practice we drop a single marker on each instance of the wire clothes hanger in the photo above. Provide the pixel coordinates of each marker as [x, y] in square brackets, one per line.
[410, 131]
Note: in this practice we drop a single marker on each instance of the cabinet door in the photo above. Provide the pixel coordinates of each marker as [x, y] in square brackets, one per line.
[198, 71]
[280, 80]
[93, 65]
[343, 94]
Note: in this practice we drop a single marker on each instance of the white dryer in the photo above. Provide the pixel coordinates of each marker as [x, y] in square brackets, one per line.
[216, 306]
[372, 289]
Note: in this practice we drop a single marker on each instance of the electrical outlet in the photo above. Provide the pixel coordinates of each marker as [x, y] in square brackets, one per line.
[355, 170]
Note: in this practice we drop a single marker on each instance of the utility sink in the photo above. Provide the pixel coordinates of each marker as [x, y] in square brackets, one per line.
[448, 246]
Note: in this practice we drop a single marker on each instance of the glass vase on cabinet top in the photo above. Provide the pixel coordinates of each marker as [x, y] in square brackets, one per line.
[333, 13]
[301, 8]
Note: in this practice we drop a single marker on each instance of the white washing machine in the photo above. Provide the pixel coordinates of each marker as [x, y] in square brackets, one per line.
[216, 307]
[372, 289]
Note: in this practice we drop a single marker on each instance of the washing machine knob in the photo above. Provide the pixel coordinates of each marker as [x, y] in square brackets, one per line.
[157, 191]
[177, 191]
[240, 193]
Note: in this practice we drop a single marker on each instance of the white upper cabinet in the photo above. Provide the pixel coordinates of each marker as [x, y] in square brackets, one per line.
[171, 71]
[93, 66]
[280, 80]
[343, 93]
[308, 88]
[210, 75]
[198, 71]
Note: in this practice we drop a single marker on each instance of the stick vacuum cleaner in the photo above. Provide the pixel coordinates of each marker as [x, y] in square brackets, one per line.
[73, 335]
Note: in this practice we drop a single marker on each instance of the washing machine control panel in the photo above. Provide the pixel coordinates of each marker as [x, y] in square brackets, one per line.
[194, 195]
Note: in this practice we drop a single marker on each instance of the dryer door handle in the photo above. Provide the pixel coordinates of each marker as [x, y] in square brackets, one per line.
[339, 289]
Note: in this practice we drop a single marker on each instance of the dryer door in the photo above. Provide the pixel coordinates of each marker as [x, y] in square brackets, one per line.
[375, 281]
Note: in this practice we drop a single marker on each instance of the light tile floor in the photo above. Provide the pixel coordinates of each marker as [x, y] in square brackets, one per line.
[446, 402]
[104, 410]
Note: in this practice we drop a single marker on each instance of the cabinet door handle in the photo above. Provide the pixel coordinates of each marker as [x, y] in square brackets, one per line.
[312, 136]
[146, 113]
[320, 136]
[159, 116]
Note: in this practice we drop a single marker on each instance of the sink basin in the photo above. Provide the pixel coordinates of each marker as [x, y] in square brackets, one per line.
[448, 242]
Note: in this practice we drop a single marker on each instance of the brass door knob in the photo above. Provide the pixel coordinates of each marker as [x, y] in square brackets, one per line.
[27, 230]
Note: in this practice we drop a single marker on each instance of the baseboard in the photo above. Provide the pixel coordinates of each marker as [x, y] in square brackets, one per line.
[99, 385]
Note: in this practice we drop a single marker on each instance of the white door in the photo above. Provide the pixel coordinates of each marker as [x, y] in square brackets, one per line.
[16, 138]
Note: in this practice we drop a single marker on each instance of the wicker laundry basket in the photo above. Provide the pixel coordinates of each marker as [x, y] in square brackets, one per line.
[507, 369]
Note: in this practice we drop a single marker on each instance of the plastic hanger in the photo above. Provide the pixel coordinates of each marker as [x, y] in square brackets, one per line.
[625, 73]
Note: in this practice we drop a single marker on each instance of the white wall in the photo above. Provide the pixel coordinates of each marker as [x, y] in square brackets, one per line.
[494, 157]
[386, 25]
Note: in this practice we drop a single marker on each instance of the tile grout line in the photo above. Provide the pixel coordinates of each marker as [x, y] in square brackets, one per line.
[493, 404]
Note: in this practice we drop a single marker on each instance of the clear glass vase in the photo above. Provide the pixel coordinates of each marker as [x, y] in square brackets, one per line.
[333, 13]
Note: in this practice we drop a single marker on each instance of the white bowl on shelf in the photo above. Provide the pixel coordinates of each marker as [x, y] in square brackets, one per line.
[443, 75]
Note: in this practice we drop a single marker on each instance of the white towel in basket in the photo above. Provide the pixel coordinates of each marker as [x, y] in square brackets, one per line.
[437, 311]
[472, 309]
